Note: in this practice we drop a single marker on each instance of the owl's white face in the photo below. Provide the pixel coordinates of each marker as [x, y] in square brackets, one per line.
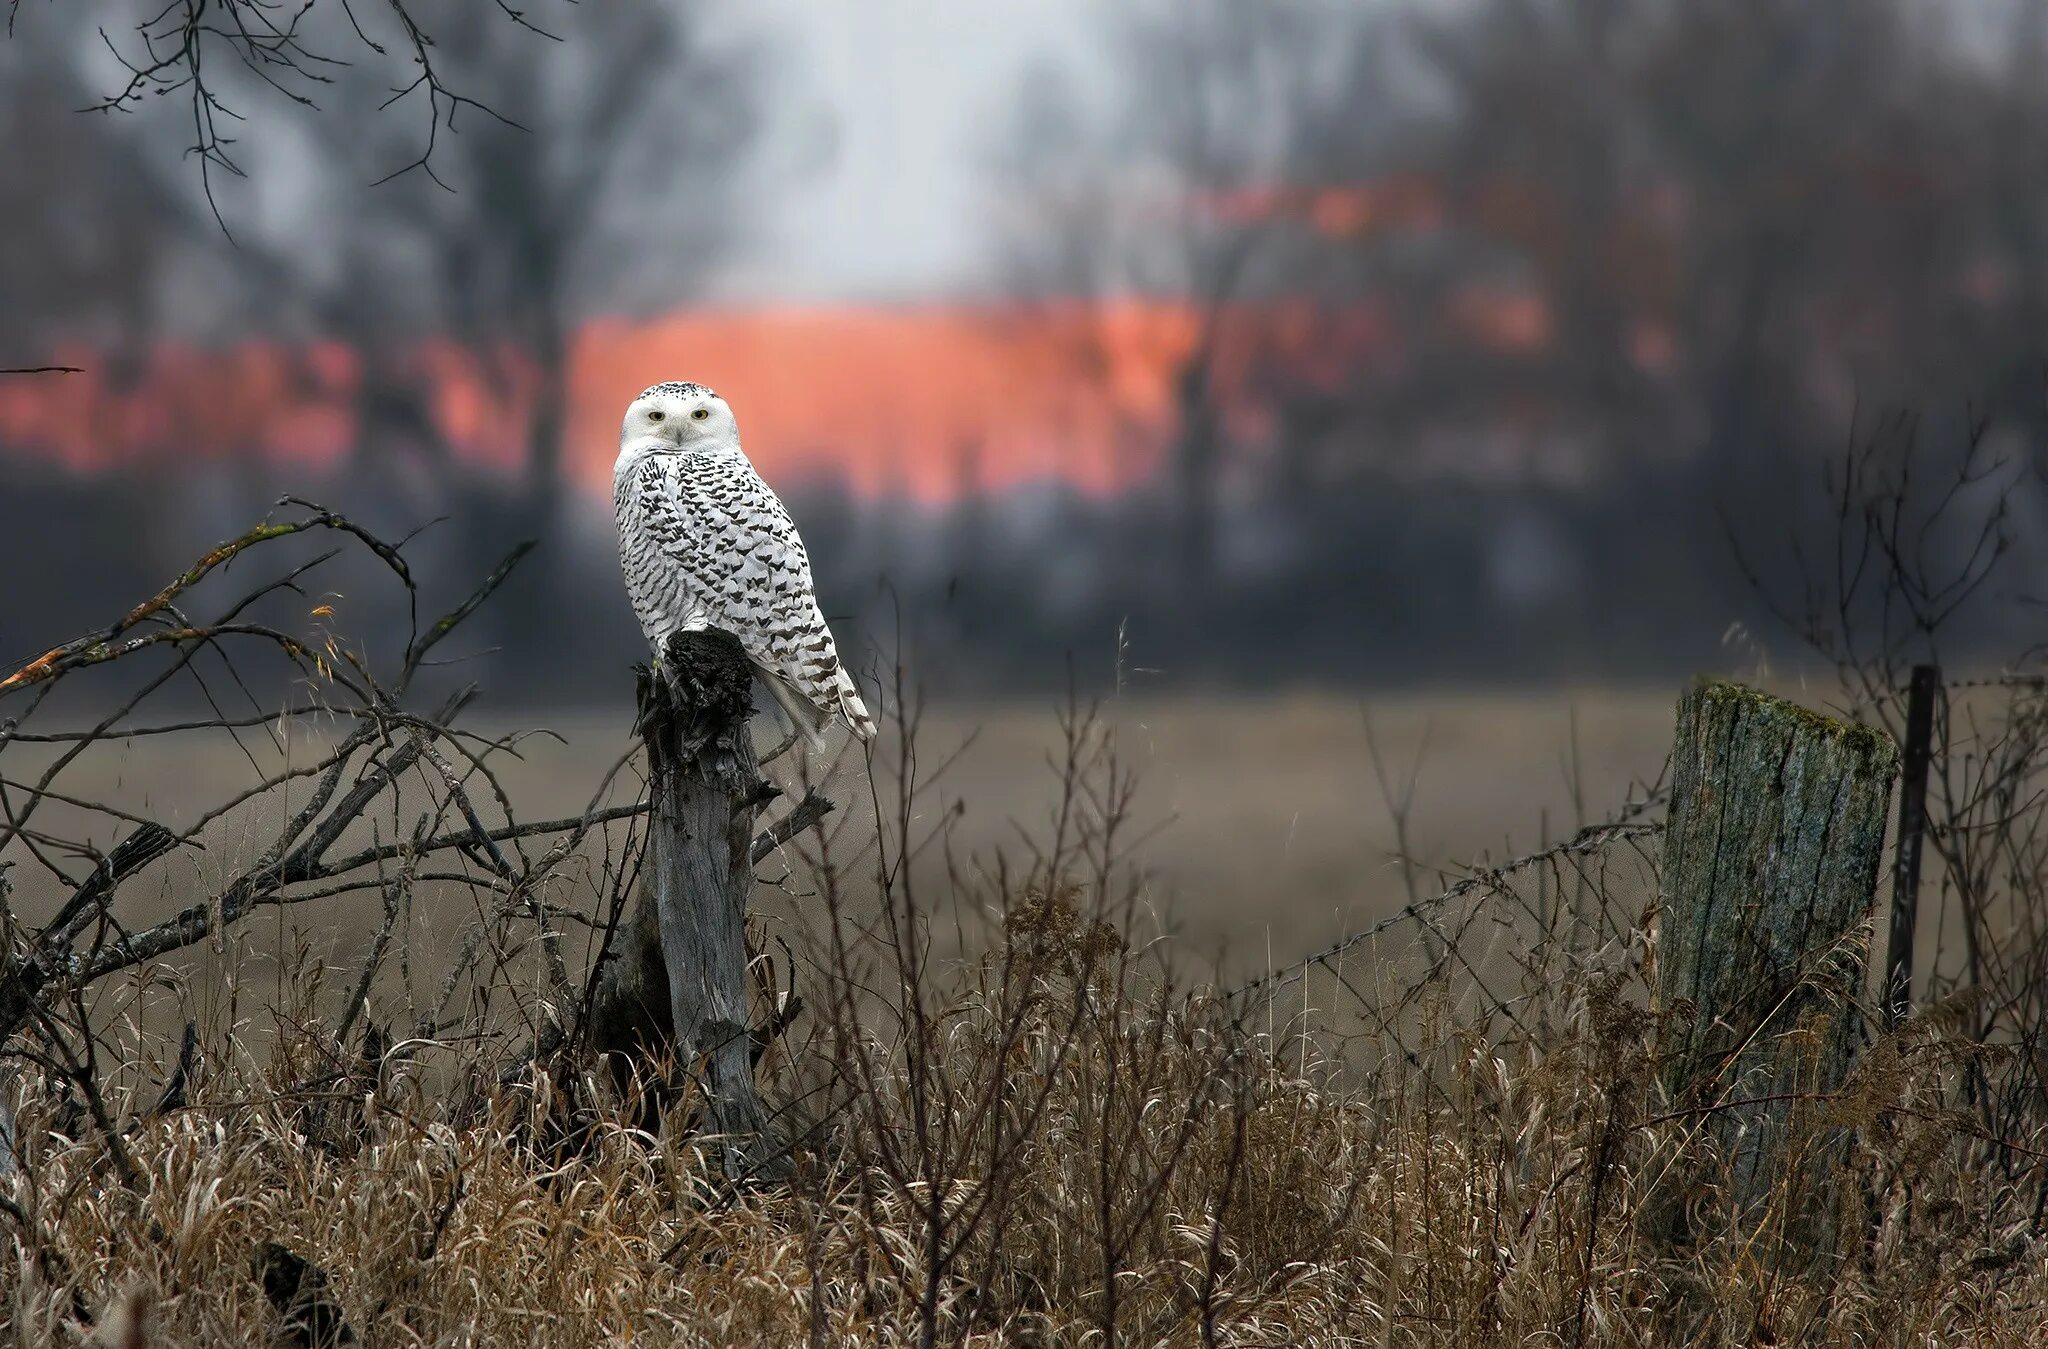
[679, 417]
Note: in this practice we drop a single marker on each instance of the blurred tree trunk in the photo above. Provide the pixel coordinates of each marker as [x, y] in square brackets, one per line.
[1196, 466]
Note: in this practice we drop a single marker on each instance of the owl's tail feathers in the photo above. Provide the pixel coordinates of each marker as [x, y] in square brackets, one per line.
[838, 699]
[806, 716]
[851, 707]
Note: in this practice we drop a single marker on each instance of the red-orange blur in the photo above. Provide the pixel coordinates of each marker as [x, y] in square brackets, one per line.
[888, 399]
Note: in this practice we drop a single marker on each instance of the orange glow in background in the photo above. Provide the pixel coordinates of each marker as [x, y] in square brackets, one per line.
[888, 399]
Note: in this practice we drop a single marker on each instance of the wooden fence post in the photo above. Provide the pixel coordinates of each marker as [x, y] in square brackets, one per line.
[707, 790]
[1919, 754]
[1771, 856]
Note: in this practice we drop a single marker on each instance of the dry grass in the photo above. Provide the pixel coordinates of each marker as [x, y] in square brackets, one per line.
[1060, 1138]
[1488, 1205]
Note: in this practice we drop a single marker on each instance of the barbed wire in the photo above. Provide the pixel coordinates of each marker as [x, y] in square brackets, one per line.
[1592, 838]
[2000, 681]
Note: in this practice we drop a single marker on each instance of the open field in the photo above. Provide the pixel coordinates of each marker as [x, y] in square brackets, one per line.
[1262, 824]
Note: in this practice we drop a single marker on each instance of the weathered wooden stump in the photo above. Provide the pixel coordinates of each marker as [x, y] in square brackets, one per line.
[631, 1022]
[706, 793]
[1771, 856]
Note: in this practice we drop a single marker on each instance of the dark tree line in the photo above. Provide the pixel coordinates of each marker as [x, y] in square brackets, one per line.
[1576, 288]
[1571, 289]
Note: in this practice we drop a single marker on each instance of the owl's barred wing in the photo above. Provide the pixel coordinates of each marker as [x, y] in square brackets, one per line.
[707, 543]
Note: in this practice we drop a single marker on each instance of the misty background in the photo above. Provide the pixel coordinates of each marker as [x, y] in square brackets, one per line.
[1192, 346]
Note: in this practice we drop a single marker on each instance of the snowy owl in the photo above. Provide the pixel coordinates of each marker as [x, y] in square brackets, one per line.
[705, 543]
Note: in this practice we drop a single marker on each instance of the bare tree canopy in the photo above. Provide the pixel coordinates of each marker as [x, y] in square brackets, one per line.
[190, 51]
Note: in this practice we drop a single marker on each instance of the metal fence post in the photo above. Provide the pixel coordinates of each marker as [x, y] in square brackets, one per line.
[1916, 754]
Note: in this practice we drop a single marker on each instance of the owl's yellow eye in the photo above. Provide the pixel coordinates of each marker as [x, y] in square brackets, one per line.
[656, 415]
[700, 414]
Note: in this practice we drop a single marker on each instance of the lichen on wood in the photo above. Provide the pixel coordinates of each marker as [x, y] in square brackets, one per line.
[1771, 856]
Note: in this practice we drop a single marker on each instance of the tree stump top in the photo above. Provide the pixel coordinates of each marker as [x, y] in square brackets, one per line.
[695, 706]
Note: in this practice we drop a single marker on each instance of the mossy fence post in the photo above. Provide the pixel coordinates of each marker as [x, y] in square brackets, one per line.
[1771, 856]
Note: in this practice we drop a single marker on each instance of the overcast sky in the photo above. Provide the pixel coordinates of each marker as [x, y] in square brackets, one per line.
[882, 113]
[878, 121]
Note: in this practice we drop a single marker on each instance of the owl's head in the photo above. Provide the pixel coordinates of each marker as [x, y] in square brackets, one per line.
[679, 416]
